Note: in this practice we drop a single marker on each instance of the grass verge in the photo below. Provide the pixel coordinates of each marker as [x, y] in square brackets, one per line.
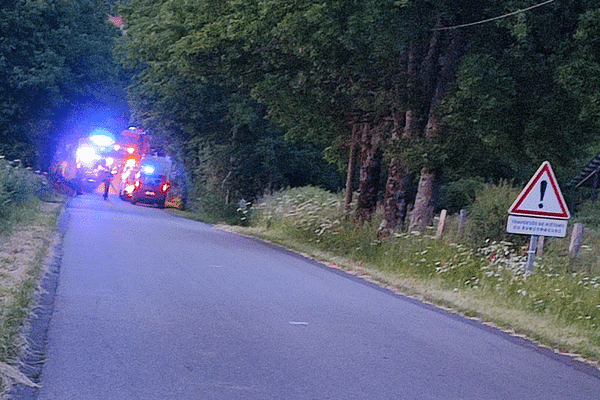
[23, 254]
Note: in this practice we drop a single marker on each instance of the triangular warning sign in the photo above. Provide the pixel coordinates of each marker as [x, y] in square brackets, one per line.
[541, 197]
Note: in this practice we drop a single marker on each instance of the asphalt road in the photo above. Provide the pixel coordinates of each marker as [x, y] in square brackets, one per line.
[150, 306]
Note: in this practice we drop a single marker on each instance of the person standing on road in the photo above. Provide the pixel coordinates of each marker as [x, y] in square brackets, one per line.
[106, 176]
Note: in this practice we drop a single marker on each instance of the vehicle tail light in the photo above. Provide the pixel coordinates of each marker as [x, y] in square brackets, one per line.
[165, 187]
[129, 189]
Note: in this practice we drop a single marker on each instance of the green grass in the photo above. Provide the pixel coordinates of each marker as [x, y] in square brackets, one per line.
[558, 305]
[214, 210]
[20, 190]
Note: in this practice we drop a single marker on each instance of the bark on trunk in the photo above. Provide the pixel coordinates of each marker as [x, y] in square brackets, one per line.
[370, 172]
[398, 193]
[397, 197]
[354, 142]
[399, 189]
[423, 212]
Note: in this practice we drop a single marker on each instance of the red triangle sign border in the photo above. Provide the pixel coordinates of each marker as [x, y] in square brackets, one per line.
[517, 209]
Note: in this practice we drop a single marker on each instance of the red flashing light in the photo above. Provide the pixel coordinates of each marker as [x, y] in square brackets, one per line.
[165, 187]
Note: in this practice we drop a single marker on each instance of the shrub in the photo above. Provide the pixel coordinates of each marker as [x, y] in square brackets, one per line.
[212, 209]
[460, 194]
[589, 214]
[489, 213]
[308, 212]
[19, 187]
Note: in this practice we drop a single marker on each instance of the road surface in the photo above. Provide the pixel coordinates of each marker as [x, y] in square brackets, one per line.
[151, 306]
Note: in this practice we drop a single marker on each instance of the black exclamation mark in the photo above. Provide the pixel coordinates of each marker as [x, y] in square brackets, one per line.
[543, 185]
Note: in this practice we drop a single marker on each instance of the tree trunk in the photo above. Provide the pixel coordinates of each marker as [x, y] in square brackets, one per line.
[423, 212]
[398, 186]
[397, 197]
[354, 142]
[370, 173]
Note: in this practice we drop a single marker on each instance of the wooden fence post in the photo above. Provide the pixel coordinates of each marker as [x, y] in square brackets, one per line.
[441, 224]
[462, 220]
[576, 239]
[540, 246]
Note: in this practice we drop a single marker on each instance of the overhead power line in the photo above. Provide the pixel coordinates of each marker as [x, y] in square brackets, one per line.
[493, 19]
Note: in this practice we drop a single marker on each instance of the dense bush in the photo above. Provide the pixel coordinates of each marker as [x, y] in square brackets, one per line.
[589, 214]
[212, 209]
[489, 213]
[460, 194]
[309, 212]
[19, 187]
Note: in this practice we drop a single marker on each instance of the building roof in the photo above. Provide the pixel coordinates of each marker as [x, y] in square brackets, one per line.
[586, 175]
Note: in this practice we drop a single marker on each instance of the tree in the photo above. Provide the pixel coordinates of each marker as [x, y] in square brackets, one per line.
[507, 103]
[319, 86]
[197, 95]
[580, 74]
[515, 112]
[58, 59]
[441, 99]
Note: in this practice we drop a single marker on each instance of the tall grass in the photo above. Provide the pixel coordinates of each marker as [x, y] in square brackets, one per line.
[25, 230]
[557, 305]
[212, 209]
[20, 189]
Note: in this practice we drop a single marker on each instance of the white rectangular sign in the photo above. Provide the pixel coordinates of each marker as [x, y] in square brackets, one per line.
[537, 226]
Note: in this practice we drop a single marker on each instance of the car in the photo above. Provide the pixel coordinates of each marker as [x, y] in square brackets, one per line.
[150, 186]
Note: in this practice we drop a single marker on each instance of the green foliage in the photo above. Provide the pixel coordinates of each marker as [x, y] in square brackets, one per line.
[460, 194]
[20, 276]
[507, 110]
[215, 128]
[12, 318]
[488, 214]
[579, 75]
[20, 188]
[588, 213]
[215, 70]
[212, 209]
[308, 212]
[59, 58]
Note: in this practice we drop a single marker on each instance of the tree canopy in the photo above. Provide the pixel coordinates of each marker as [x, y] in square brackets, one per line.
[56, 56]
[426, 93]
[421, 83]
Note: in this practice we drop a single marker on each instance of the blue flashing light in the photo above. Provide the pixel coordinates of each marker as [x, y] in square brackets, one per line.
[102, 138]
[148, 169]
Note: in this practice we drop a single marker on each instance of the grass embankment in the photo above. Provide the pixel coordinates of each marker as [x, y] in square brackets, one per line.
[555, 306]
[28, 217]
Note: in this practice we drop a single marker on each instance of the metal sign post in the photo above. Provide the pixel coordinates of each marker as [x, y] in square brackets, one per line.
[531, 254]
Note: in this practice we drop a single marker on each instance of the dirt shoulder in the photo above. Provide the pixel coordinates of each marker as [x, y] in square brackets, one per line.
[24, 248]
[24, 258]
